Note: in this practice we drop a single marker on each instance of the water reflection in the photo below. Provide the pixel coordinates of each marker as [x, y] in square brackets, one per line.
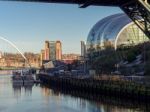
[37, 98]
[17, 91]
[28, 89]
[5, 72]
[20, 88]
[94, 103]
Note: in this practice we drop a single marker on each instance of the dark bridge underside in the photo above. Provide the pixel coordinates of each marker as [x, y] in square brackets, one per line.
[137, 10]
[85, 2]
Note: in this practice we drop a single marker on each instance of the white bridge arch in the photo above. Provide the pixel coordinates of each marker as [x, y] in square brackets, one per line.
[14, 46]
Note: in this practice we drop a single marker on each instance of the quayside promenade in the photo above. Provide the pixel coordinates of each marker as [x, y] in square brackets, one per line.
[108, 87]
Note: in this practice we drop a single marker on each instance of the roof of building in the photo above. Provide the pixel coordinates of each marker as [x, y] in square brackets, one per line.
[108, 28]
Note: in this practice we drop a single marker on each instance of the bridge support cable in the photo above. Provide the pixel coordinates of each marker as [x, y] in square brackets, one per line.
[139, 12]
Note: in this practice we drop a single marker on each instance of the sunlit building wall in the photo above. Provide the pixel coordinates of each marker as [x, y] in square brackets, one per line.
[58, 50]
[16, 60]
[1, 54]
[52, 51]
[47, 50]
[42, 54]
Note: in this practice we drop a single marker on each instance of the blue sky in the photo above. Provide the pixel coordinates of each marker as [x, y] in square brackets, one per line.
[28, 25]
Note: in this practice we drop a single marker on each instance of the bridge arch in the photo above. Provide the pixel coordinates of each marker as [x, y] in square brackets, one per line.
[14, 46]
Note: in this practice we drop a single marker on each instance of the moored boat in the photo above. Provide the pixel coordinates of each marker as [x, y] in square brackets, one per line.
[28, 80]
[17, 78]
[23, 77]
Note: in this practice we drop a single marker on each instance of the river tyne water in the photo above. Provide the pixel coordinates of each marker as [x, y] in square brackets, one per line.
[39, 98]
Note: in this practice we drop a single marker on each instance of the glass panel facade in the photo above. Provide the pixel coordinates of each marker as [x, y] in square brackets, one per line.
[52, 50]
[131, 35]
[105, 33]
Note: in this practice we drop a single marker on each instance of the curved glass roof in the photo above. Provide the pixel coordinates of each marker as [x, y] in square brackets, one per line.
[107, 29]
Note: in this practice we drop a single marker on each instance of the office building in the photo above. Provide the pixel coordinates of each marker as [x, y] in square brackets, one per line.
[52, 51]
[47, 50]
[83, 49]
[58, 50]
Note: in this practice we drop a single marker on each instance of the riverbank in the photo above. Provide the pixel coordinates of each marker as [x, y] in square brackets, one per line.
[103, 99]
[115, 88]
[39, 98]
